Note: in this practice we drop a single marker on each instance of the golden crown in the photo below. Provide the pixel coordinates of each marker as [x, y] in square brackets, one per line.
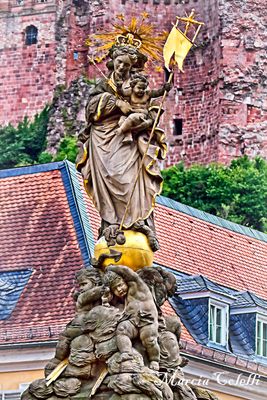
[135, 33]
[128, 40]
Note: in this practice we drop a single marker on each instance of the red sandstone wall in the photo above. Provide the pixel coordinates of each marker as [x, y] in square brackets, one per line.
[197, 104]
[27, 73]
[221, 97]
[243, 122]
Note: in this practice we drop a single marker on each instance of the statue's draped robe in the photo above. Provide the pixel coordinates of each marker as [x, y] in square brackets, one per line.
[109, 166]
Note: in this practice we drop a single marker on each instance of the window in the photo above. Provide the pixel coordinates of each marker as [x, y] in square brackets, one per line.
[218, 323]
[261, 338]
[31, 35]
[177, 126]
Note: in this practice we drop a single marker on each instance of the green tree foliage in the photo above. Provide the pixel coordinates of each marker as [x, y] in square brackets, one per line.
[67, 149]
[237, 192]
[24, 144]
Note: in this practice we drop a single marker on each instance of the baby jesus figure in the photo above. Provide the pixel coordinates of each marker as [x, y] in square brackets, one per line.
[140, 313]
[140, 118]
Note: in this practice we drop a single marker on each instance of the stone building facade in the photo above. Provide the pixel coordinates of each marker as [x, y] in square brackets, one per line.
[218, 108]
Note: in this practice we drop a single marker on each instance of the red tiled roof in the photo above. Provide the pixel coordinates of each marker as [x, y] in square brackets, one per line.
[37, 232]
[198, 247]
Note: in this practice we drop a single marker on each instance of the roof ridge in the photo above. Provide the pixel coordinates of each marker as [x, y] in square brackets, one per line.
[212, 219]
[256, 298]
[31, 169]
[85, 219]
[202, 278]
[75, 200]
[190, 276]
[251, 295]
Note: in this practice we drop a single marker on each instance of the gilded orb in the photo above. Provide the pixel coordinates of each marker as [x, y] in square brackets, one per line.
[136, 252]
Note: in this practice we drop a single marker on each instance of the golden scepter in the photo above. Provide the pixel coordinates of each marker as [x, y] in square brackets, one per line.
[177, 45]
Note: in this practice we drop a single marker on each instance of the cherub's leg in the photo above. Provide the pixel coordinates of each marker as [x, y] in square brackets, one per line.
[149, 338]
[125, 129]
[132, 121]
[124, 333]
[126, 125]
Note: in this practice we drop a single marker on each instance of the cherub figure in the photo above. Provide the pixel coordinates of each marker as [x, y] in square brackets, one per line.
[161, 283]
[90, 290]
[169, 337]
[89, 295]
[140, 313]
[140, 118]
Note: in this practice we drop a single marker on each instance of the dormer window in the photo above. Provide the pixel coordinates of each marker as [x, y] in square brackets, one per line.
[12, 284]
[203, 306]
[248, 325]
[218, 323]
[261, 337]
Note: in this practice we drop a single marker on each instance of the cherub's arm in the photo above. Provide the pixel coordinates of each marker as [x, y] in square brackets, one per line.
[89, 296]
[159, 92]
[126, 273]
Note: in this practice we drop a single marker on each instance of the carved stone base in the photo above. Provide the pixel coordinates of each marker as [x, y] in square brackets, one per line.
[119, 346]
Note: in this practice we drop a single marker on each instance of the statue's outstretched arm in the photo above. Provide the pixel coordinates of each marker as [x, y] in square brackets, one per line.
[126, 273]
[160, 92]
[156, 93]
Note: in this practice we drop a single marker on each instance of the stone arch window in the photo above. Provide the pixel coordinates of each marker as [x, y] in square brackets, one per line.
[31, 35]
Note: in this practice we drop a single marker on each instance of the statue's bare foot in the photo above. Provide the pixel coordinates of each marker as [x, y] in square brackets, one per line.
[154, 365]
[153, 241]
[126, 356]
[120, 238]
[110, 234]
[149, 123]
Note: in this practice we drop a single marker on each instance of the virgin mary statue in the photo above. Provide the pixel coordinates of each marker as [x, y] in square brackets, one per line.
[109, 164]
